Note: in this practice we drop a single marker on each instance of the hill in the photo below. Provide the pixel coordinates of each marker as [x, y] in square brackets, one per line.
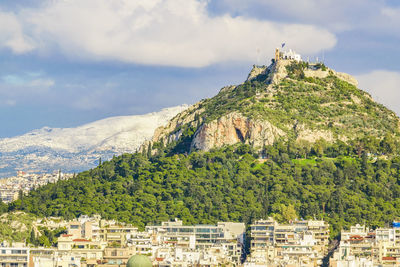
[79, 148]
[292, 139]
[295, 101]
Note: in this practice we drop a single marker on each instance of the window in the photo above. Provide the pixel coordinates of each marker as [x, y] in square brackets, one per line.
[186, 230]
[203, 230]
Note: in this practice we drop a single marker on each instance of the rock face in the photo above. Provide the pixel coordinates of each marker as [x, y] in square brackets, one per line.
[278, 71]
[169, 131]
[255, 71]
[235, 128]
[275, 72]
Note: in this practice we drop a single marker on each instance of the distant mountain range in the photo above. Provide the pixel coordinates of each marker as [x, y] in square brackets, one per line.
[76, 149]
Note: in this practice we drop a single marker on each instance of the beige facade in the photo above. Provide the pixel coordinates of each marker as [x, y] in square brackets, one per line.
[302, 243]
[91, 242]
[225, 237]
[360, 246]
[16, 255]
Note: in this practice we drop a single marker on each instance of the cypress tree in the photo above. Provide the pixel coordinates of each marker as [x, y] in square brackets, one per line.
[149, 150]
[32, 237]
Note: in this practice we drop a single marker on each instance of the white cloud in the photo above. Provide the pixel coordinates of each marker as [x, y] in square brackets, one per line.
[384, 86]
[11, 34]
[161, 32]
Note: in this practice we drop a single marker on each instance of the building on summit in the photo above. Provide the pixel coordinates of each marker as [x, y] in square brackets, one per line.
[287, 55]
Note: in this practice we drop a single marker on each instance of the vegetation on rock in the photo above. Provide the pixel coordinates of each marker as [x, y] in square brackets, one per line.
[19, 227]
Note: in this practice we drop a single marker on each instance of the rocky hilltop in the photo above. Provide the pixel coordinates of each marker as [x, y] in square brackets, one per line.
[285, 100]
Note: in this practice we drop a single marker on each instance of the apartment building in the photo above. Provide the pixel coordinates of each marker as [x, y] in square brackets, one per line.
[20, 255]
[94, 228]
[80, 248]
[14, 255]
[363, 247]
[225, 237]
[299, 243]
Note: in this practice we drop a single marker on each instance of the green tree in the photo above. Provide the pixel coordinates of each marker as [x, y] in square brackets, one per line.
[32, 238]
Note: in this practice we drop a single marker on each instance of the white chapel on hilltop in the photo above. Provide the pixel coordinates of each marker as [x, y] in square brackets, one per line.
[288, 55]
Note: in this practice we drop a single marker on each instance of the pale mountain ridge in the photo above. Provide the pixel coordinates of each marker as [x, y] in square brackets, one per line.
[76, 149]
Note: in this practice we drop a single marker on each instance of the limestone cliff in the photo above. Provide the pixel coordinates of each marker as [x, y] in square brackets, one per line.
[173, 130]
[235, 128]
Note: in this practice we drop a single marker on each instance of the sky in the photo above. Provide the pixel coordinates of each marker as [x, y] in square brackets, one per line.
[64, 63]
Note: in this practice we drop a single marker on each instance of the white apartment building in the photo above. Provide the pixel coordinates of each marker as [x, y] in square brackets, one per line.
[224, 241]
[361, 246]
[302, 243]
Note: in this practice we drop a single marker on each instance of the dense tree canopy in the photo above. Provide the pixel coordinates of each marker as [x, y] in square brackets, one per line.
[231, 184]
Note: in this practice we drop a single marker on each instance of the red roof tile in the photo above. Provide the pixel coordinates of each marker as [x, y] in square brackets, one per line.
[388, 258]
